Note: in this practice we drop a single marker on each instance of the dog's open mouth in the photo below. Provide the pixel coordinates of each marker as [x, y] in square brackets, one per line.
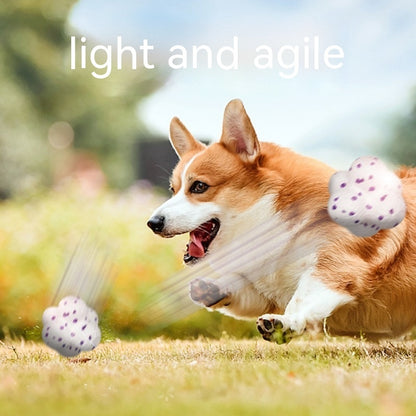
[200, 240]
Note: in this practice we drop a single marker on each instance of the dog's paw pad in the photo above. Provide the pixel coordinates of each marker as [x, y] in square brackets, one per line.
[267, 326]
[206, 292]
[271, 329]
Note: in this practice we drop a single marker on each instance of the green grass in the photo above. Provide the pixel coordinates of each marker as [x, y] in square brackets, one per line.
[208, 377]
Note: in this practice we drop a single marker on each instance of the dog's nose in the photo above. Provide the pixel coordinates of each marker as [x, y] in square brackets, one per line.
[156, 223]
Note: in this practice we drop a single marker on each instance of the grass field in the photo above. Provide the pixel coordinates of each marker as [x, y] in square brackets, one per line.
[206, 377]
[224, 376]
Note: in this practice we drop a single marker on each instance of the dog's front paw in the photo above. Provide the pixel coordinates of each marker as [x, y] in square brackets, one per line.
[208, 293]
[272, 328]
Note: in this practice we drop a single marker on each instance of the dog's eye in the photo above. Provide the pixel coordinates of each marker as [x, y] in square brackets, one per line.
[198, 187]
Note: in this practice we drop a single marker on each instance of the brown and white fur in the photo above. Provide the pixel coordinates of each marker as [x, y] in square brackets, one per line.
[356, 285]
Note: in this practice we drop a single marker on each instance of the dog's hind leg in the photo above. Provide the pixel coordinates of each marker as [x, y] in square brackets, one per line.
[311, 303]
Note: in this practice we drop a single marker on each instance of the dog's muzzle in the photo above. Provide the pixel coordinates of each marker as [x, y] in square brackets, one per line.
[156, 223]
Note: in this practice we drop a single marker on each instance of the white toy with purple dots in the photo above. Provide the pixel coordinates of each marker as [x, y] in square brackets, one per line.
[71, 327]
[367, 198]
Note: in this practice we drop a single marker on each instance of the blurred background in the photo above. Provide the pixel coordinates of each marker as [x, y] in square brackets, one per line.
[79, 153]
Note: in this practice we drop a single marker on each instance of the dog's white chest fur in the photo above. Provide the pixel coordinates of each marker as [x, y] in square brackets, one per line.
[268, 259]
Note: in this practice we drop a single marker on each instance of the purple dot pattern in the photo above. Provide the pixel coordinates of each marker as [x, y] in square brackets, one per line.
[71, 327]
[367, 198]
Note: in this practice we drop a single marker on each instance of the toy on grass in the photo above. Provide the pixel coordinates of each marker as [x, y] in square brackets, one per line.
[72, 326]
[367, 198]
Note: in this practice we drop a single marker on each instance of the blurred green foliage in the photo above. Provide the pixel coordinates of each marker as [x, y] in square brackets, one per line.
[402, 145]
[38, 234]
[38, 89]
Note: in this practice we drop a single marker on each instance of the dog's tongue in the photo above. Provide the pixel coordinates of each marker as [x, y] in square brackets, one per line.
[196, 248]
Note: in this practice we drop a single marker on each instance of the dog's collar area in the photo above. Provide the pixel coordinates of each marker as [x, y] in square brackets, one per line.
[200, 240]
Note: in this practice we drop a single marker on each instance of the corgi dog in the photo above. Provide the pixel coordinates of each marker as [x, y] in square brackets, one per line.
[352, 285]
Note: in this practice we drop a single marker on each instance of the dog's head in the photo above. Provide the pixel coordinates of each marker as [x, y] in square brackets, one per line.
[216, 189]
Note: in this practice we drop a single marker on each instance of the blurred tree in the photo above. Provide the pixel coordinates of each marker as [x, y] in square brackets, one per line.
[38, 89]
[402, 147]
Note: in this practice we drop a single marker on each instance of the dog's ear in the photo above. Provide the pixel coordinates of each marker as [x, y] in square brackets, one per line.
[238, 134]
[183, 141]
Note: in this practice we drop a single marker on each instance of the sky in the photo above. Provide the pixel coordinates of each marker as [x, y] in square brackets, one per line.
[335, 115]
